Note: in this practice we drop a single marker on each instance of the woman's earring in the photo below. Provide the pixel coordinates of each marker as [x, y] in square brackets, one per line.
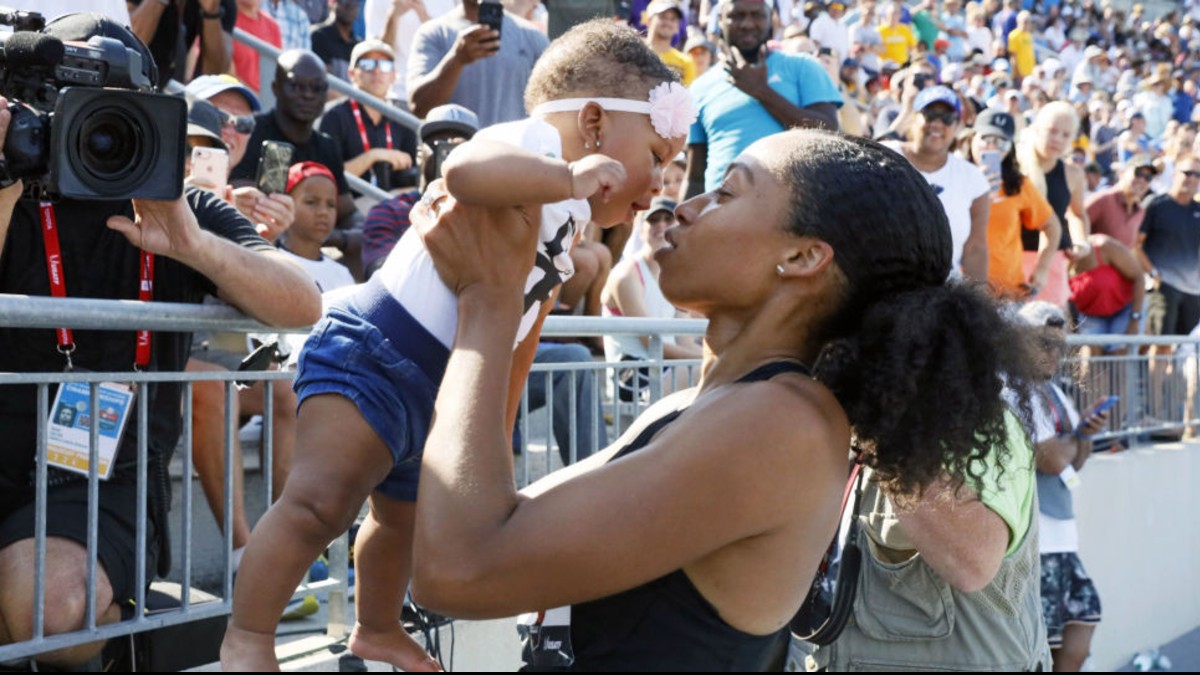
[779, 269]
[597, 142]
[586, 146]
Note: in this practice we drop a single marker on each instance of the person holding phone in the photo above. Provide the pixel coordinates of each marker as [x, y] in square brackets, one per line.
[462, 58]
[1016, 205]
[1070, 603]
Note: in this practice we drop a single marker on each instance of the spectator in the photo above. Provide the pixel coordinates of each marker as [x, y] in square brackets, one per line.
[1020, 46]
[925, 23]
[954, 27]
[663, 19]
[633, 291]
[246, 60]
[573, 397]
[564, 16]
[865, 41]
[979, 36]
[102, 260]
[753, 94]
[897, 37]
[334, 40]
[299, 90]
[1040, 154]
[1095, 179]
[1134, 140]
[1091, 68]
[961, 187]
[1070, 604]
[396, 23]
[454, 59]
[1154, 103]
[1182, 100]
[1016, 206]
[314, 190]
[701, 52]
[387, 221]
[828, 30]
[1168, 247]
[170, 28]
[1117, 211]
[294, 25]
[374, 147]
[1107, 290]
[1104, 134]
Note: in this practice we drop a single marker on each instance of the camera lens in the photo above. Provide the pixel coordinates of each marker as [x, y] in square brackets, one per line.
[109, 144]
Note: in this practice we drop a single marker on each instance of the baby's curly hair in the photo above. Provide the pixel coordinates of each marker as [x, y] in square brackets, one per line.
[596, 58]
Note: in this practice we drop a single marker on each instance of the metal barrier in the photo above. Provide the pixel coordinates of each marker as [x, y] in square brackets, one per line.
[1157, 397]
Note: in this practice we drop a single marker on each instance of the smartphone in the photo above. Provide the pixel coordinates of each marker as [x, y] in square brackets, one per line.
[273, 166]
[210, 167]
[1105, 405]
[991, 164]
[491, 14]
[441, 150]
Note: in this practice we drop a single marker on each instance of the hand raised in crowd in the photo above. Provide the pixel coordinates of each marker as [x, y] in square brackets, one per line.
[596, 173]
[749, 77]
[476, 246]
[474, 43]
[399, 159]
[401, 7]
[271, 214]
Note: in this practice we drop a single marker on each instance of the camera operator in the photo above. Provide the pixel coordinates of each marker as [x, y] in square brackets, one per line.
[111, 249]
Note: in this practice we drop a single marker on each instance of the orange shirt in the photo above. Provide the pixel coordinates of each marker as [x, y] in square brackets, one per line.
[1027, 209]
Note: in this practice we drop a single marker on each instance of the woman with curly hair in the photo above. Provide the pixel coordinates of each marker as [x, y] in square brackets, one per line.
[820, 263]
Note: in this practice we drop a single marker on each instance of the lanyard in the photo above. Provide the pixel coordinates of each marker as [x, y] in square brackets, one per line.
[58, 285]
[362, 128]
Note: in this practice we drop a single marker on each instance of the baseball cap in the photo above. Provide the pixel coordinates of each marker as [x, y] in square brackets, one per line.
[450, 117]
[299, 171]
[204, 120]
[86, 25]
[659, 6]
[367, 46]
[1142, 162]
[937, 94]
[660, 203]
[208, 86]
[1093, 51]
[992, 122]
[699, 41]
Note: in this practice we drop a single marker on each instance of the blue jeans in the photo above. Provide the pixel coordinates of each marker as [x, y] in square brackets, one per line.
[590, 432]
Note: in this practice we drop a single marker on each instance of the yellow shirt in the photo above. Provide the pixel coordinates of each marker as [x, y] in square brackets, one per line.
[897, 42]
[1020, 47]
[680, 63]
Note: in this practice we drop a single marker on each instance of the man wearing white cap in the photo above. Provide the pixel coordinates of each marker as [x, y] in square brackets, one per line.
[374, 147]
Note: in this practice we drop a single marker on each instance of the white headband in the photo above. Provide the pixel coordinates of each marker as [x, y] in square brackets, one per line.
[670, 108]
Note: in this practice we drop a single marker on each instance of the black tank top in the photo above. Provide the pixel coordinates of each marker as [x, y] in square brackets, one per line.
[1058, 193]
[667, 624]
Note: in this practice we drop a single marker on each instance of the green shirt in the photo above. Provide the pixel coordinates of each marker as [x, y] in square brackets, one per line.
[927, 30]
[1010, 495]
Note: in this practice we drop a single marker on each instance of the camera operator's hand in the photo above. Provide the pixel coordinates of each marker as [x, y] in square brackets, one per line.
[271, 214]
[11, 192]
[161, 227]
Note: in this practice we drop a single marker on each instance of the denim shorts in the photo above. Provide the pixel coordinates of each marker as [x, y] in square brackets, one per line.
[370, 350]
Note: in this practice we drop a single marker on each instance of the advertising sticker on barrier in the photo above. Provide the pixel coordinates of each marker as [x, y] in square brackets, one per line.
[70, 424]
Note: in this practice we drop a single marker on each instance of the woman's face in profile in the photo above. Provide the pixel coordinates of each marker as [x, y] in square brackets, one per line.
[727, 242]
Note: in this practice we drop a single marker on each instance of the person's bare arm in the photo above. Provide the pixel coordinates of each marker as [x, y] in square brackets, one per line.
[697, 163]
[437, 86]
[264, 285]
[1124, 261]
[398, 9]
[399, 159]
[751, 78]
[975, 252]
[960, 538]
[629, 297]
[1047, 246]
[216, 46]
[144, 18]
[1077, 216]
[491, 174]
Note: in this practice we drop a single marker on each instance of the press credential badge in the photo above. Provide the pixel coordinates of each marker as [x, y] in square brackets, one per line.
[70, 424]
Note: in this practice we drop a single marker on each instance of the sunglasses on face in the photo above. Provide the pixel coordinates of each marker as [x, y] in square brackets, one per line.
[314, 88]
[243, 124]
[949, 117]
[998, 142]
[1144, 175]
[371, 65]
[1191, 174]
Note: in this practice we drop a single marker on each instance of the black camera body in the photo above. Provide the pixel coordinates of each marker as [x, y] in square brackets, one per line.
[85, 121]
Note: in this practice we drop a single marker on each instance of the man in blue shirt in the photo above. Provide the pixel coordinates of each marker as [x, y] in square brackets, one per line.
[754, 93]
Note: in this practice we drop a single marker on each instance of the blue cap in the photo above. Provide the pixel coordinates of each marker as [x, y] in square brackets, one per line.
[938, 94]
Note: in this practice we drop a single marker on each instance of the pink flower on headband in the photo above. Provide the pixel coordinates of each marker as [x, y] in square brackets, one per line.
[672, 110]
